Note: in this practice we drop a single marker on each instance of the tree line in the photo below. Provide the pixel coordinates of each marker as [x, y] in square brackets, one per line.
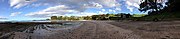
[120, 16]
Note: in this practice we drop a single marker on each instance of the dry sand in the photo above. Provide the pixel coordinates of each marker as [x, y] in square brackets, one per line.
[152, 30]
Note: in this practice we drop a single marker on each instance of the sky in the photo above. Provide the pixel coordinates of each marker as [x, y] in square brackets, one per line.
[43, 9]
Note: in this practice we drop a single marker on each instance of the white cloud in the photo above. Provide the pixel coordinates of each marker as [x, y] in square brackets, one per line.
[51, 11]
[36, 5]
[118, 9]
[114, 11]
[130, 8]
[86, 14]
[64, 7]
[109, 3]
[1, 18]
[14, 2]
[100, 12]
[93, 5]
[110, 10]
[131, 4]
[103, 10]
[77, 4]
[15, 13]
[20, 3]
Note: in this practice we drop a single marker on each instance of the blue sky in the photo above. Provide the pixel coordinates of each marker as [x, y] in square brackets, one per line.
[43, 9]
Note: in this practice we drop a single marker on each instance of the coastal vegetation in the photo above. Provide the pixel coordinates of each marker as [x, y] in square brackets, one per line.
[120, 16]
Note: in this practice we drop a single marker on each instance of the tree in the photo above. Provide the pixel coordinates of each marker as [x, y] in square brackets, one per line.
[151, 5]
[72, 18]
[87, 18]
[60, 18]
[128, 15]
[95, 17]
[155, 7]
[173, 6]
[54, 18]
[157, 11]
[65, 18]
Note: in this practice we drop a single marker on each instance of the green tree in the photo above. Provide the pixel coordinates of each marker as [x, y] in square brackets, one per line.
[60, 18]
[54, 18]
[150, 6]
[65, 18]
[173, 6]
[87, 18]
[95, 17]
[72, 18]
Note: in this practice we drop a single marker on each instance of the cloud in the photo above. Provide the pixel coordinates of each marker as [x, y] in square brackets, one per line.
[20, 3]
[39, 4]
[108, 3]
[60, 10]
[100, 12]
[118, 9]
[2, 18]
[51, 11]
[110, 10]
[15, 13]
[76, 4]
[131, 4]
[77, 7]
[130, 8]
[103, 10]
[85, 14]
[64, 7]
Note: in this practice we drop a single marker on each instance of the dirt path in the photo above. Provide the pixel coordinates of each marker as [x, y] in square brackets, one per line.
[88, 30]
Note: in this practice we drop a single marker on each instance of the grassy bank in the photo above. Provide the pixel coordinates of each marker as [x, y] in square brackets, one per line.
[161, 17]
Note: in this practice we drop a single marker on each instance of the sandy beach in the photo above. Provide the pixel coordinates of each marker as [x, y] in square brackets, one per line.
[152, 30]
[102, 30]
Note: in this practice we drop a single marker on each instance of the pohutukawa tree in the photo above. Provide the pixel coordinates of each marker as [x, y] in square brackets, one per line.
[173, 5]
[155, 6]
[150, 5]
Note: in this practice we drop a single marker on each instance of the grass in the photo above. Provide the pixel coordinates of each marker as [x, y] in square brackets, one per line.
[162, 16]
